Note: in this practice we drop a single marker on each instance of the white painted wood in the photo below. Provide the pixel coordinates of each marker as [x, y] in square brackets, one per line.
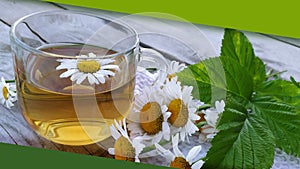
[278, 55]
[291, 41]
[11, 10]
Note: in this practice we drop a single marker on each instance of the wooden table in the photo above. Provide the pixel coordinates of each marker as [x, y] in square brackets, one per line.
[279, 52]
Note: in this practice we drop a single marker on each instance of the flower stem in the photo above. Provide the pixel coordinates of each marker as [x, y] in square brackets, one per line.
[152, 147]
[203, 107]
[275, 74]
[294, 81]
[10, 81]
[200, 124]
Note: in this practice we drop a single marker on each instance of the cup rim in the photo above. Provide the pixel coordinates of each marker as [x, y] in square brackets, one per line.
[15, 39]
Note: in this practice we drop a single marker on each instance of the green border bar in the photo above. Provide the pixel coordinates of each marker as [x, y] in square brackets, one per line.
[15, 156]
[271, 17]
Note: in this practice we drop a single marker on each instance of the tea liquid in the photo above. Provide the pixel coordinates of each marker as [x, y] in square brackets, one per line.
[72, 114]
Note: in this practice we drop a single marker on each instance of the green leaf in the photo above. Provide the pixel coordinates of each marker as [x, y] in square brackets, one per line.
[294, 81]
[244, 141]
[282, 91]
[283, 121]
[215, 78]
[237, 46]
[259, 115]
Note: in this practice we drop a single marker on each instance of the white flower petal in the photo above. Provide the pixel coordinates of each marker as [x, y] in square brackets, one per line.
[100, 77]
[9, 104]
[114, 132]
[111, 151]
[121, 130]
[91, 79]
[186, 94]
[76, 76]
[175, 67]
[70, 64]
[208, 130]
[165, 153]
[68, 73]
[81, 78]
[193, 153]
[167, 115]
[191, 128]
[210, 136]
[182, 135]
[106, 61]
[194, 117]
[106, 72]
[166, 131]
[198, 164]
[114, 67]
[220, 106]
[157, 138]
[177, 152]
[136, 142]
[124, 126]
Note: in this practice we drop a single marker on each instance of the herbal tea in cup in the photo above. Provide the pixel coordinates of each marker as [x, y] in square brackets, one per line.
[75, 74]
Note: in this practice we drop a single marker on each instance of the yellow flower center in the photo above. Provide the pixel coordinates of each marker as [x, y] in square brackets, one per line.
[170, 76]
[181, 163]
[124, 150]
[179, 113]
[151, 118]
[88, 66]
[5, 92]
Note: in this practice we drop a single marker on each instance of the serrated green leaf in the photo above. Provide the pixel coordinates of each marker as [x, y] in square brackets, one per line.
[244, 141]
[214, 78]
[237, 46]
[259, 114]
[283, 121]
[282, 91]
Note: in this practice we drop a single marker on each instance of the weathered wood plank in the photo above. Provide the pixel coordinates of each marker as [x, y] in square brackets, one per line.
[11, 10]
[95, 149]
[290, 41]
[166, 32]
[5, 137]
[278, 55]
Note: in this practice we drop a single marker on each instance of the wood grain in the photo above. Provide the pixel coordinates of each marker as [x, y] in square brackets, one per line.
[12, 10]
[279, 53]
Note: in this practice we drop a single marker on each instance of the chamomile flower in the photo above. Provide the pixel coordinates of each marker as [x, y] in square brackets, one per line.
[173, 68]
[182, 107]
[211, 116]
[149, 117]
[88, 67]
[125, 148]
[177, 159]
[8, 96]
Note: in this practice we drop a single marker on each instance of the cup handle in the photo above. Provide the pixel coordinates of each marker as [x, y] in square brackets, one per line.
[152, 60]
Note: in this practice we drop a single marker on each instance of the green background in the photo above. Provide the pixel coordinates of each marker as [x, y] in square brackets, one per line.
[265, 16]
[15, 156]
[272, 17]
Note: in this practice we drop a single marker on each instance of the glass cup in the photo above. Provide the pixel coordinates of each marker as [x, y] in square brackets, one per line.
[75, 73]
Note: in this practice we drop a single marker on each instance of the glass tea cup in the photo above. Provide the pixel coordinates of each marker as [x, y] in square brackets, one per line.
[75, 73]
